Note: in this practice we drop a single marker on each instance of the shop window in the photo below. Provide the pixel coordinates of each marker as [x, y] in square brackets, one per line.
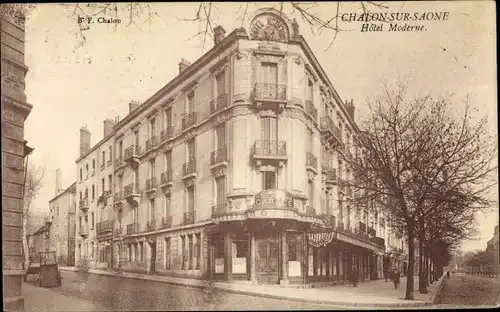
[219, 256]
[239, 255]
[190, 251]
[198, 251]
[167, 253]
[183, 253]
[269, 180]
[310, 255]
[294, 263]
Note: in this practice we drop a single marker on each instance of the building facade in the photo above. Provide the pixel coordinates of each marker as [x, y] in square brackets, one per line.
[63, 226]
[234, 169]
[39, 241]
[93, 190]
[15, 110]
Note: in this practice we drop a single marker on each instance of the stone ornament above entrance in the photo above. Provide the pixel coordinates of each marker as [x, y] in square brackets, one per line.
[270, 25]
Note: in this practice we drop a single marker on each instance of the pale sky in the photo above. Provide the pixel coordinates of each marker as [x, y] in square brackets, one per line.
[70, 87]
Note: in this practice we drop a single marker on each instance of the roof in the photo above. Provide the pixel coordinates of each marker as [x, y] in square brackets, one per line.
[69, 189]
[43, 228]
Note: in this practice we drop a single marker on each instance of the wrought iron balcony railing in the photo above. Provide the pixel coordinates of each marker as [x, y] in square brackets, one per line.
[166, 177]
[166, 222]
[151, 143]
[104, 226]
[189, 217]
[167, 133]
[218, 103]
[269, 148]
[119, 161]
[151, 225]
[130, 190]
[132, 151]
[273, 91]
[151, 184]
[378, 241]
[84, 204]
[132, 228]
[189, 167]
[189, 120]
[118, 196]
[311, 160]
[311, 110]
[110, 161]
[329, 220]
[330, 174]
[103, 165]
[327, 125]
[220, 209]
[218, 156]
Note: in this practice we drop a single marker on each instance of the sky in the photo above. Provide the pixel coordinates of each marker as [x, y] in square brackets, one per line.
[71, 86]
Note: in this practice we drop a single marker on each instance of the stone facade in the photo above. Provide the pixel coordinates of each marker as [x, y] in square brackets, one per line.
[15, 110]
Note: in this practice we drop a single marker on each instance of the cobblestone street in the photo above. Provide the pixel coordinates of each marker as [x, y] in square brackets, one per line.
[463, 290]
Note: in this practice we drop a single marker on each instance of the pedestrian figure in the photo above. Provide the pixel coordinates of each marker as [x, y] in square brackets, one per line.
[354, 277]
[396, 279]
[448, 274]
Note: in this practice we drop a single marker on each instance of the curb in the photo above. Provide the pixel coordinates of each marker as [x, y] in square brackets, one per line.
[257, 294]
[434, 296]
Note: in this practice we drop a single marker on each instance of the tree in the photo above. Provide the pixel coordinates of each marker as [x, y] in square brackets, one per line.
[205, 13]
[33, 184]
[414, 158]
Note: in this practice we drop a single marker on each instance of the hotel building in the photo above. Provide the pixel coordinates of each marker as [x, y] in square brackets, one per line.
[234, 169]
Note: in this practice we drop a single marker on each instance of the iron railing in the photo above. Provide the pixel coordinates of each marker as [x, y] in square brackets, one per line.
[269, 148]
[104, 226]
[189, 167]
[188, 120]
[166, 222]
[130, 190]
[272, 91]
[131, 151]
[151, 225]
[220, 209]
[166, 177]
[326, 124]
[167, 133]
[84, 203]
[311, 160]
[189, 217]
[132, 228]
[151, 143]
[218, 103]
[151, 183]
[218, 156]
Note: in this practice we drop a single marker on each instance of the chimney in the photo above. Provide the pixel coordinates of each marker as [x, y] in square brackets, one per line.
[350, 108]
[84, 140]
[108, 126]
[58, 181]
[183, 65]
[219, 34]
[133, 105]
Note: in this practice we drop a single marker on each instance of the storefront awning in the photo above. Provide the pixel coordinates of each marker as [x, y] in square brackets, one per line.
[320, 239]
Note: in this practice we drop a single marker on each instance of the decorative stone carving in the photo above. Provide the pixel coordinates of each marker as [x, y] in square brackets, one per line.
[298, 60]
[190, 182]
[310, 175]
[295, 26]
[219, 172]
[268, 27]
[267, 113]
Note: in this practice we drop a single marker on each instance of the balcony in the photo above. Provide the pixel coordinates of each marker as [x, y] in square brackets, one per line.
[117, 198]
[166, 222]
[218, 103]
[103, 165]
[119, 162]
[132, 228]
[132, 154]
[330, 131]
[110, 161]
[104, 227]
[311, 110]
[189, 169]
[269, 151]
[131, 193]
[189, 217]
[372, 232]
[84, 204]
[378, 241]
[188, 121]
[311, 162]
[151, 225]
[167, 134]
[166, 181]
[218, 158]
[329, 220]
[270, 96]
[151, 143]
[309, 211]
[330, 175]
[151, 187]
[220, 209]
[84, 231]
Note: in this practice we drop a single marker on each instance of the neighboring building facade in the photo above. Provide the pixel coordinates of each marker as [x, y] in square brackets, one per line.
[233, 170]
[63, 226]
[40, 240]
[93, 190]
[15, 110]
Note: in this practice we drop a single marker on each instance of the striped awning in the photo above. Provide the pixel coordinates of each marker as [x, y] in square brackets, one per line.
[320, 239]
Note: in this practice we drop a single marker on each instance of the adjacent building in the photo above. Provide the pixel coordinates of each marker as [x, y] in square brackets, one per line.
[234, 170]
[15, 110]
[39, 241]
[62, 218]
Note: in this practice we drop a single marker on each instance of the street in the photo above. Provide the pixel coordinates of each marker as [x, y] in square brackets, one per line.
[113, 293]
[463, 290]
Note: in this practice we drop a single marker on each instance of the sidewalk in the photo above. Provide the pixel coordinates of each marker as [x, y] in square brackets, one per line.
[370, 294]
[39, 299]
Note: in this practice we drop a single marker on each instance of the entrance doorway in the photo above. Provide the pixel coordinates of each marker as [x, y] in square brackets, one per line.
[152, 246]
[267, 261]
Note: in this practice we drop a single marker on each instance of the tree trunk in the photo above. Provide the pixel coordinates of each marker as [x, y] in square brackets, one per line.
[411, 262]
[25, 242]
[422, 284]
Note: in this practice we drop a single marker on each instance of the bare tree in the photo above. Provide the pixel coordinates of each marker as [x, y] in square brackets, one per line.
[414, 159]
[32, 187]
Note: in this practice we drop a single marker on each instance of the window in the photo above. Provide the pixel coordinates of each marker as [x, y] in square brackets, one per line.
[190, 99]
[168, 160]
[57, 210]
[310, 90]
[120, 148]
[310, 188]
[292, 249]
[190, 198]
[220, 135]
[151, 210]
[87, 168]
[93, 191]
[183, 252]
[191, 150]
[310, 141]
[167, 253]
[221, 83]
[220, 186]
[269, 75]
[109, 182]
[93, 219]
[103, 157]
[103, 185]
[152, 127]
[81, 174]
[152, 168]
[197, 253]
[93, 165]
[92, 250]
[327, 110]
[269, 180]
[136, 138]
[190, 251]
[168, 117]
[167, 206]
[110, 153]
[327, 203]
[136, 175]
[269, 127]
